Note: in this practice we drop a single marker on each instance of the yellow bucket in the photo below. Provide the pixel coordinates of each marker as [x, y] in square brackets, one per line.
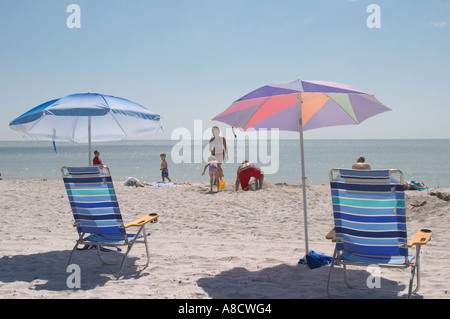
[221, 185]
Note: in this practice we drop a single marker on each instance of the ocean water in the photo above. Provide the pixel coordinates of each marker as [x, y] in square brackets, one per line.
[422, 160]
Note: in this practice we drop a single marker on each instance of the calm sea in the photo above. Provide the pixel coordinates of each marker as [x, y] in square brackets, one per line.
[422, 160]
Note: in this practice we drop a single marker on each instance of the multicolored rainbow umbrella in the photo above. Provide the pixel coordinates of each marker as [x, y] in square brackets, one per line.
[299, 106]
[323, 104]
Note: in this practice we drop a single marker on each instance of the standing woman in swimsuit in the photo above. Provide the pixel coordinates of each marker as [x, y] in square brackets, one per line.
[218, 148]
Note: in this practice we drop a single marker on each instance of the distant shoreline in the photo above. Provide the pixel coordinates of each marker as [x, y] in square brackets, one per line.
[281, 139]
[418, 159]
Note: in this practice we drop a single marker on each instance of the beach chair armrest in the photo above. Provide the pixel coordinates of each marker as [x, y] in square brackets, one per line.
[331, 235]
[142, 221]
[422, 237]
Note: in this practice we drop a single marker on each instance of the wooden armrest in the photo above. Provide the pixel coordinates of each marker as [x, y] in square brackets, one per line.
[331, 235]
[422, 237]
[143, 220]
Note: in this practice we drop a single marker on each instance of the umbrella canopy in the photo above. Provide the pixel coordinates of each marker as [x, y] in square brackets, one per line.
[323, 104]
[86, 118]
[298, 106]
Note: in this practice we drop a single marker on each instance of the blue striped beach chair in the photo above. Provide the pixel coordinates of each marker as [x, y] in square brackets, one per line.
[370, 222]
[96, 212]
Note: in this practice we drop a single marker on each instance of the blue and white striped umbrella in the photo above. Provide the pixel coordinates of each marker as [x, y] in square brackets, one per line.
[86, 118]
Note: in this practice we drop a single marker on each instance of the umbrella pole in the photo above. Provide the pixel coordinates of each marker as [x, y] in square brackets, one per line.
[305, 211]
[89, 141]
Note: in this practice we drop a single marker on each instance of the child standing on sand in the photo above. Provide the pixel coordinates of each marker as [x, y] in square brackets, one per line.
[164, 167]
[213, 172]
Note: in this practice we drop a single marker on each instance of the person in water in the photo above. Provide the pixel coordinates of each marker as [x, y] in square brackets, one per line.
[96, 161]
[361, 163]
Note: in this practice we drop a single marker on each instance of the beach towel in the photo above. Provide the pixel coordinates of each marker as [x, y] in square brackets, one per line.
[166, 184]
[416, 186]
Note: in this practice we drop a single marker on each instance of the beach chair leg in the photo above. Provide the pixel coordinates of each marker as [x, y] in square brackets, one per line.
[411, 281]
[415, 271]
[98, 248]
[71, 253]
[123, 261]
[329, 273]
[80, 238]
[418, 268]
[130, 245]
[346, 278]
[146, 245]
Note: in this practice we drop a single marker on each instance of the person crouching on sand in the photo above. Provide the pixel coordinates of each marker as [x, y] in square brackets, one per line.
[245, 172]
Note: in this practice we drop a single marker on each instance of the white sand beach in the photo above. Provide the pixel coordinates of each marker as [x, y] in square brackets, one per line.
[205, 245]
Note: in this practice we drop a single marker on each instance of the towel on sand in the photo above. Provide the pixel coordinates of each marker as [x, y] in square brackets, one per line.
[165, 184]
[415, 186]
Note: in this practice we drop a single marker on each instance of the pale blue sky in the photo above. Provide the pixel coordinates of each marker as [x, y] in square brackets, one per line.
[189, 60]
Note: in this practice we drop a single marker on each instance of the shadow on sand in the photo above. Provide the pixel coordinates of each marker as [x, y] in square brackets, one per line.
[48, 270]
[298, 281]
